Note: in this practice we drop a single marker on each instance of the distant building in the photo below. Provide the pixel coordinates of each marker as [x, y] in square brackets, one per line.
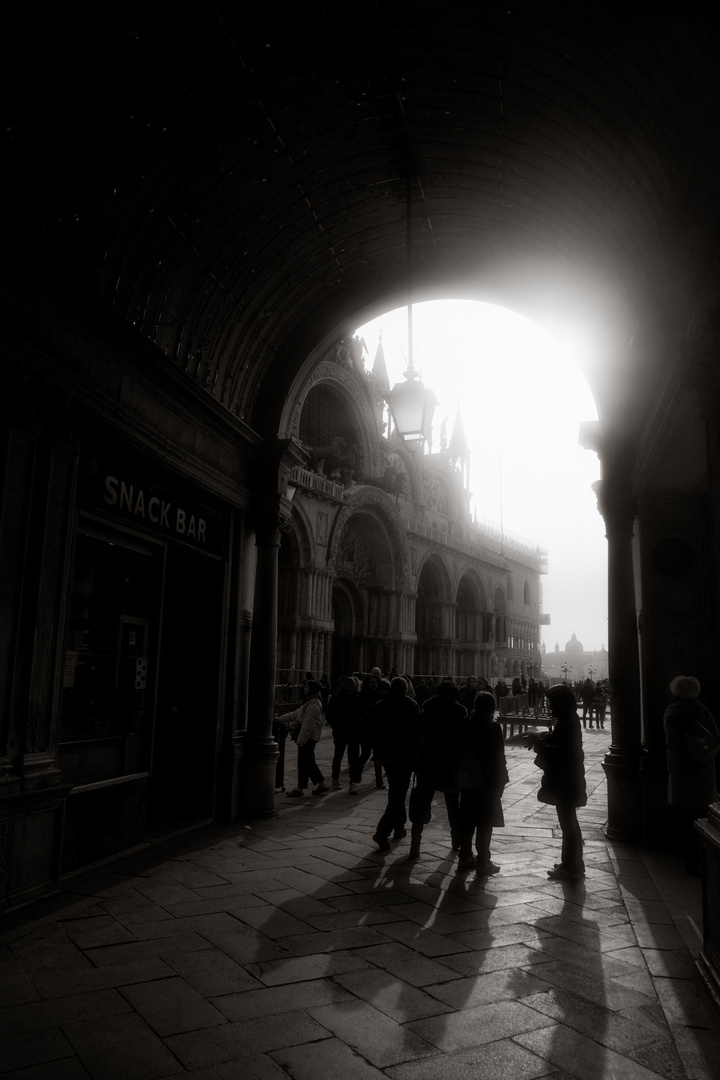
[574, 663]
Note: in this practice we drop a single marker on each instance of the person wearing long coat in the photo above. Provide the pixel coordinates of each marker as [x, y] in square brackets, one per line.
[439, 751]
[395, 721]
[560, 756]
[344, 720]
[693, 742]
[371, 692]
[480, 788]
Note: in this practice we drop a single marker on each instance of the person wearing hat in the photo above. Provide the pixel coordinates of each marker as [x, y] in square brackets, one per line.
[692, 740]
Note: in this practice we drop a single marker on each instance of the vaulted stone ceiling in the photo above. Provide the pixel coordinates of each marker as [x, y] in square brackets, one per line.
[235, 186]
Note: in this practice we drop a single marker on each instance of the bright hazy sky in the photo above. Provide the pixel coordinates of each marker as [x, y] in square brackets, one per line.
[522, 396]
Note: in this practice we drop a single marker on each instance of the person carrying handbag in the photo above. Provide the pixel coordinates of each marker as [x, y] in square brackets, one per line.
[305, 727]
[559, 753]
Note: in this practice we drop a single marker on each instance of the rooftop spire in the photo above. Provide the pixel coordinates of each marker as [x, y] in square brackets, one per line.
[379, 368]
[458, 442]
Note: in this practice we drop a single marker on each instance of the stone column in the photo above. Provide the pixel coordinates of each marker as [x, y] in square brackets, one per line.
[242, 573]
[624, 759]
[38, 470]
[271, 510]
[292, 656]
[709, 960]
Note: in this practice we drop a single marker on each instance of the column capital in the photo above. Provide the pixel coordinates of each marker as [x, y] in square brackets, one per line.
[618, 508]
[273, 493]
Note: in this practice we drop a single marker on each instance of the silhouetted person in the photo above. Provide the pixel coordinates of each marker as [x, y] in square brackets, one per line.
[370, 693]
[395, 727]
[343, 717]
[477, 806]
[560, 756]
[693, 742]
[587, 696]
[441, 720]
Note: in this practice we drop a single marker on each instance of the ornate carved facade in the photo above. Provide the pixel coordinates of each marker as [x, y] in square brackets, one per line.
[380, 563]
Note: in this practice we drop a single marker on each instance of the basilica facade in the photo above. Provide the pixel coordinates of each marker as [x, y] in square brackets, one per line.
[380, 563]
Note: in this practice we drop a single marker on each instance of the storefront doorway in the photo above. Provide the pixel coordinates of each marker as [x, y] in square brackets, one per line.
[182, 783]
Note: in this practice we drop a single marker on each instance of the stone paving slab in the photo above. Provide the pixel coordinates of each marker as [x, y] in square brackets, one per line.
[293, 947]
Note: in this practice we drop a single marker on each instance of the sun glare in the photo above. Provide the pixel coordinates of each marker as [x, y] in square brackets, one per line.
[521, 394]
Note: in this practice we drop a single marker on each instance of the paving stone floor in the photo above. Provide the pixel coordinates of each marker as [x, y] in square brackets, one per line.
[292, 947]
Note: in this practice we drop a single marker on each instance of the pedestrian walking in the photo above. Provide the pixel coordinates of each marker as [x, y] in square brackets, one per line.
[693, 742]
[370, 693]
[587, 696]
[344, 720]
[305, 727]
[600, 702]
[559, 754]
[395, 730]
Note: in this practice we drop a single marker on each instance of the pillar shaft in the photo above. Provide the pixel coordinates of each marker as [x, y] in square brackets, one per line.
[623, 762]
[271, 510]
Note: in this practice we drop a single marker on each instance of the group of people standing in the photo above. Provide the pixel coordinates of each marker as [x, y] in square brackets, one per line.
[594, 697]
[446, 747]
[348, 714]
[450, 743]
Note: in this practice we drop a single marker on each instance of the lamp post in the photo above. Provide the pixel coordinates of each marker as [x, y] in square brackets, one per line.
[565, 670]
[591, 671]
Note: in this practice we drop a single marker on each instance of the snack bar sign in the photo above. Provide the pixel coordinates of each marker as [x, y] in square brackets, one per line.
[162, 512]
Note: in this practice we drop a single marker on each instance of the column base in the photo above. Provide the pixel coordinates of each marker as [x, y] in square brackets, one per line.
[255, 774]
[709, 960]
[624, 785]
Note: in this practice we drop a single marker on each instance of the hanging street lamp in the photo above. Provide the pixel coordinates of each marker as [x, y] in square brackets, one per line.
[411, 405]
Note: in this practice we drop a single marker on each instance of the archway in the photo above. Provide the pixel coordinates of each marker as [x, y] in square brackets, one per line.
[347, 617]
[432, 655]
[468, 628]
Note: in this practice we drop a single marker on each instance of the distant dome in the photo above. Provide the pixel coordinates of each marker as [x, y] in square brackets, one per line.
[573, 645]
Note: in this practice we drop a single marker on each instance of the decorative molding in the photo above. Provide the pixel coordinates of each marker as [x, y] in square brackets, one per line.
[363, 498]
[329, 372]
